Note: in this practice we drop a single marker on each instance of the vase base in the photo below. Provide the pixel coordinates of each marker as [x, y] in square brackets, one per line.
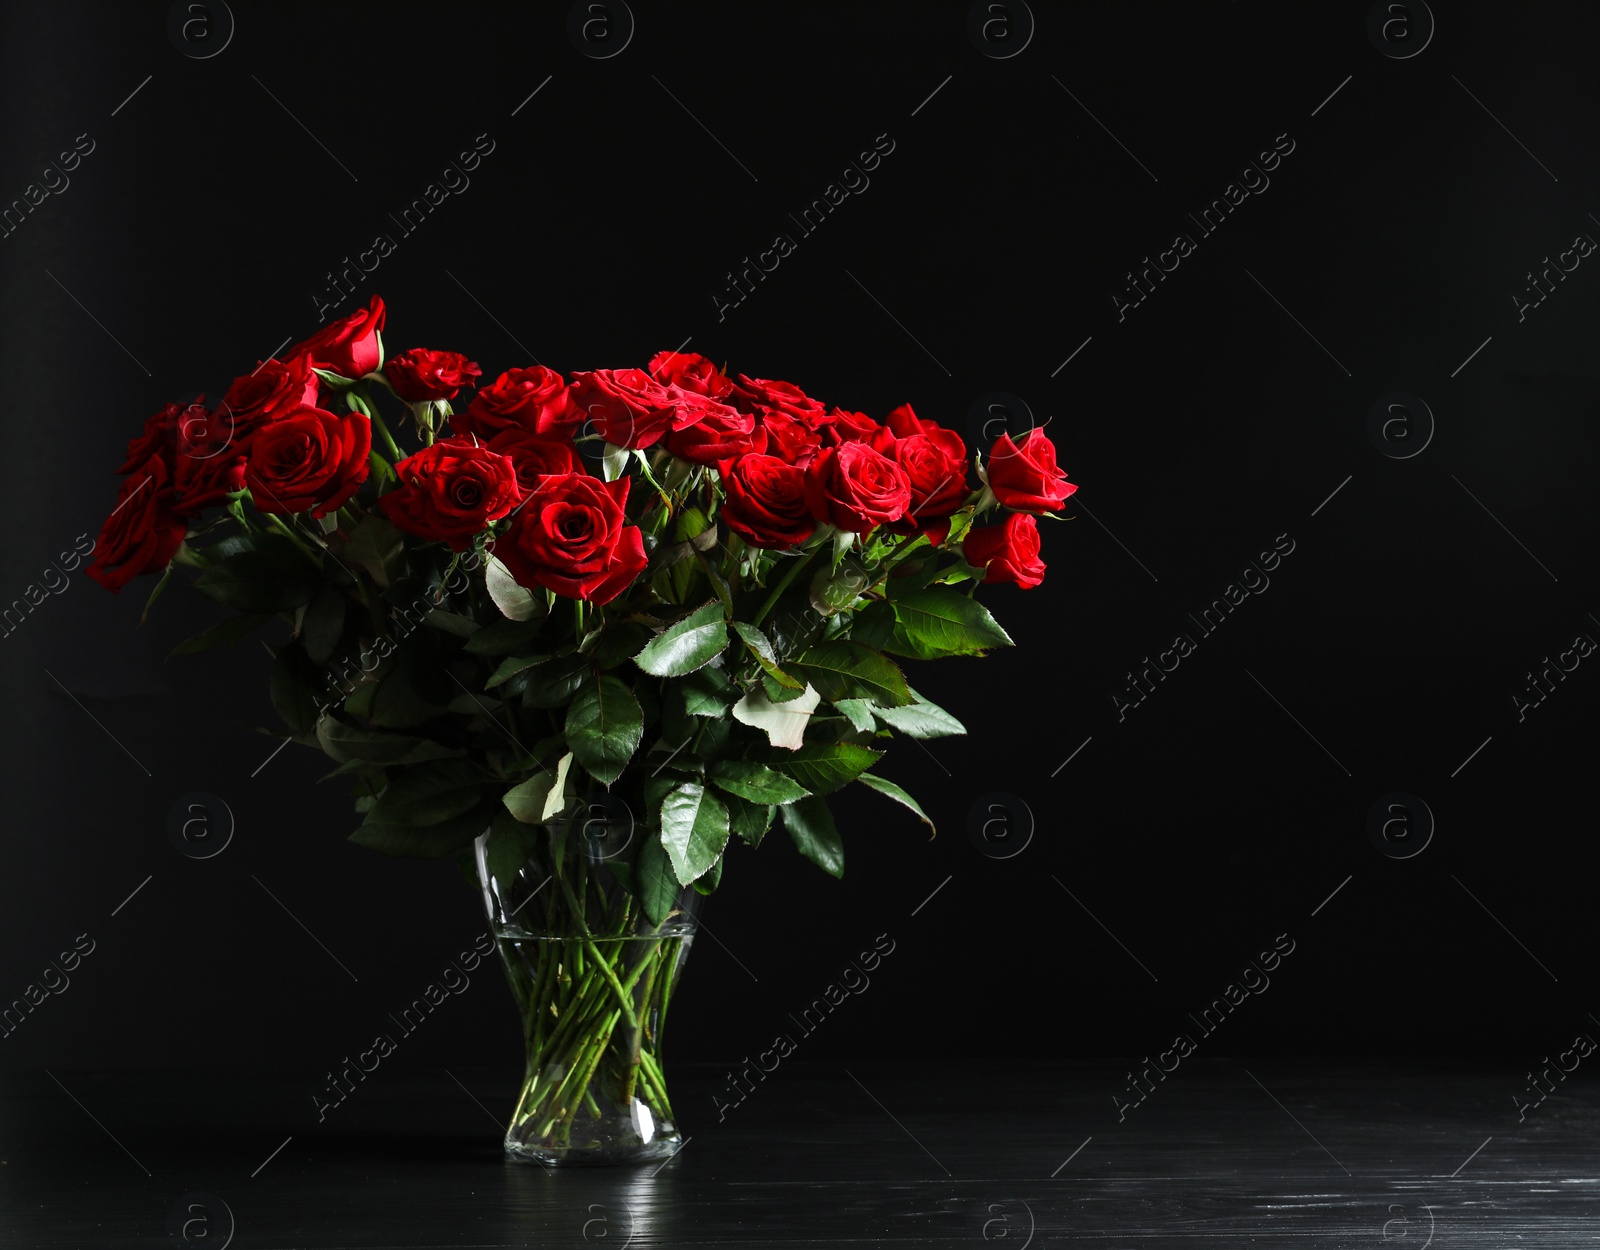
[593, 1156]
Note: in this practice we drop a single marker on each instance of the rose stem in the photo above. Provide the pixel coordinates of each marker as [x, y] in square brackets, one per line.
[383, 431]
[605, 968]
[783, 584]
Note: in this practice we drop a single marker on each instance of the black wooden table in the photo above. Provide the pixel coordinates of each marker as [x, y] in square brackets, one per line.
[1223, 1152]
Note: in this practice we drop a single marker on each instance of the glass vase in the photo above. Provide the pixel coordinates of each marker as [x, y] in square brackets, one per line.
[592, 977]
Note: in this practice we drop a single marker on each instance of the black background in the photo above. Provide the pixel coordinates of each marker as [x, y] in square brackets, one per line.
[1200, 428]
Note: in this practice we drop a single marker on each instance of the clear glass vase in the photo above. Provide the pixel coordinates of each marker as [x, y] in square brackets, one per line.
[592, 977]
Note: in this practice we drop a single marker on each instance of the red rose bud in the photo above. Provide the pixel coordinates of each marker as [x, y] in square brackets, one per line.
[421, 374]
[1010, 550]
[627, 407]
[534, 456]
[935, 463]
[451, 492]
[766, 502]
[142, 532]
[849, 427]
[718, 432]
[788, 438]
[308, 460]
[349, 346]
[571, 538]
[1025, 476]
[690, 371]
[855, 488]
[536, 400]
[754, 394]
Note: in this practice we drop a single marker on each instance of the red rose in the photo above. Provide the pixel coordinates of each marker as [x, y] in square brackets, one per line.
[533, 399]
[451, 492]
[158, 438]
[720, 432]
[142, 532]
[690, 372]
[207, 460]
[628, 407]
[856, 488]
[752, 394]
[1010, 550]
[1025, 476]
[349, 346]
[308, 460]
[788, 438]
[767, 502]
[935, 462]
[535, 457]
[849, 427]
[421, 374]
[571, 538]
[276, 386]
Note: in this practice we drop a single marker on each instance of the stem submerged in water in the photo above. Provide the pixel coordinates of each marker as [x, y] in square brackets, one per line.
[592, 989]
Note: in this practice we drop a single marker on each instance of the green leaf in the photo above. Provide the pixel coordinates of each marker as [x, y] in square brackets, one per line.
[504, 637]
[921, 719]
[451, 622]
[430, 841]
[843, 541]
[323, 624]
[613, 462]
[291, 688]
[898, 795]
[382, 471]
[705, 693]
[260, 581]
[761, 648]
[777, 693]
[708, 881]
[858, 712]
[656, 789]
[542, 796]
[810, 825]
[335, 381]
[783, 723]
[343, 743]
[553, 684]
[603, 726]
[834, 589]
[509, 668]
[823, 767]
[848, 670]
[694, 829]
[687, 645]
[514, 600]
[749, 820]
[398, 704]
[654, 884]
[875, 626]
[231, 545]
[358, 702]
[619, 641]
[229, 631]
[755, 782]
[509, 847]
[376, 546]
[430, 793]
[936, 621]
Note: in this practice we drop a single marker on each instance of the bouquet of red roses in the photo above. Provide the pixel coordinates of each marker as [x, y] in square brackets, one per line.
[668, 588]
